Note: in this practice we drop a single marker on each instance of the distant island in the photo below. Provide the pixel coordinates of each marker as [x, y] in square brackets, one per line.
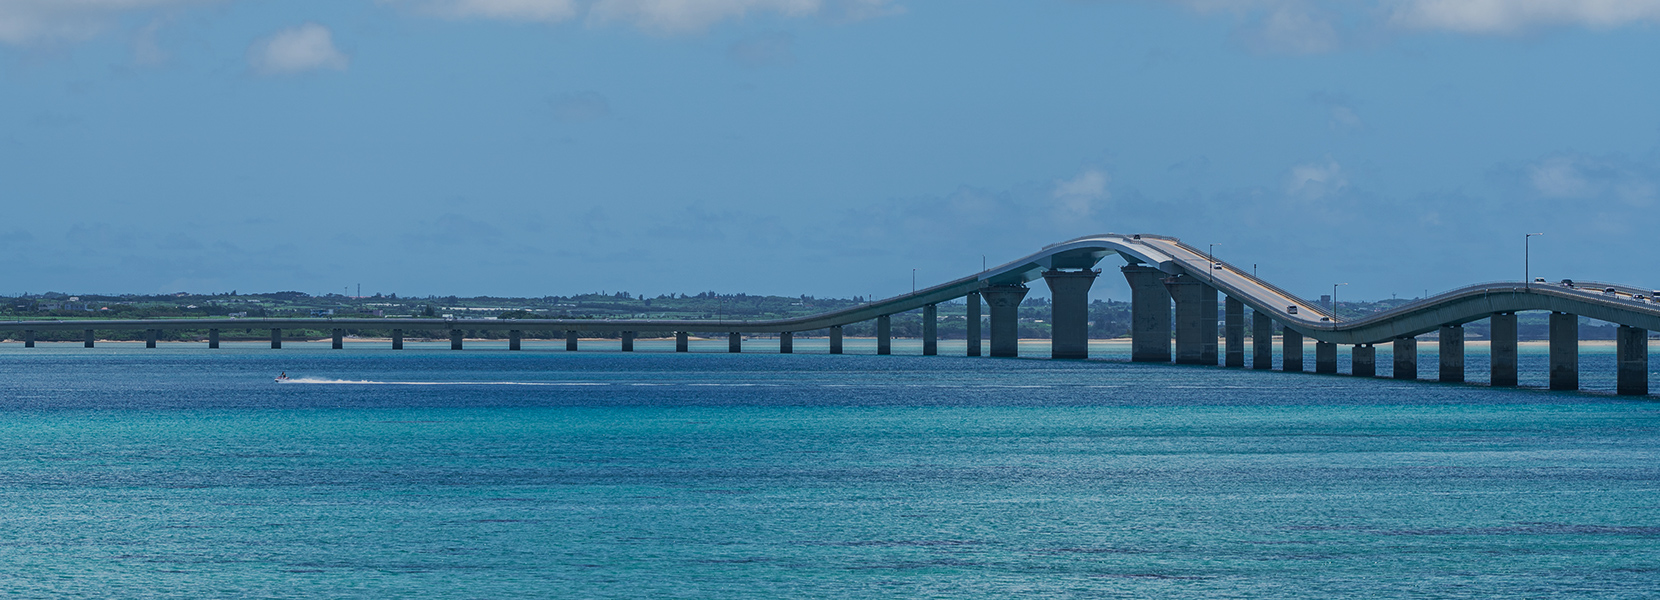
[1108, 318]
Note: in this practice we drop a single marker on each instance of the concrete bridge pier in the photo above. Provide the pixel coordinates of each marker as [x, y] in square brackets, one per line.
[835, 339]
[627, 341]
[1149, 314]
[1325, 358]
[149, 338]
[1195, 320]
[734, 342]
[884, 334]
[514, 339]
[682, 342]
[930, 330]
[1005, 318]
[28, 338]
[570, 340]
[1363, 361]
[89, 338]
[1234, 332]
[397, 339]
[1291, 350]
[1564, 351]
[1262, 341]
[276, 339]
[1406, 358]
[1069, 312]
[1502, 339]
[974, 334]
[786, 343]
[213, 338]
[455, 339]
[339, 338]
[1452, 354]
[1632, 350]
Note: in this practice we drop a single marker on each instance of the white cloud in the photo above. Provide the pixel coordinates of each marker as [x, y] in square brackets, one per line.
[512, 10]
[1340, 111]
[1075, 198]
[1313, 26]
[668, 16]
[1506, 16]
[692, 15]
[43, 21]
[146, 51]
[299, 49]
[1313, 181]
[1572, 177]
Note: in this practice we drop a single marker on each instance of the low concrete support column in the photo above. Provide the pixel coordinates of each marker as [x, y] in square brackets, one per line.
[149, 338]
[627, 341]
[1149, 314]
[276, 339]
[1363, 361]
[213, 338]
[1262, 341]
[1291, 350]
[930, 330]
[682, 342]
[1631, 346]
[339, 338]
[1452, 354]
[90, 338]
[1234, 332]
[1502, 340]
[515, 339]
[397, 339]
[974, 334]
[28, 338]
[1406, 358]
[1069, 312]
[1325, 358]
[1004, 301]
[455, 339]
[1195, 320]
[835, 339]
[734, 342]
[570, 340]
[1564, 351]
[884, 334]
[786, 343]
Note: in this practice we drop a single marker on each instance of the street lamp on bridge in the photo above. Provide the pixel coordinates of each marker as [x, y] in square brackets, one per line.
[1211, 253]
[1527, 260]
[1334, 302]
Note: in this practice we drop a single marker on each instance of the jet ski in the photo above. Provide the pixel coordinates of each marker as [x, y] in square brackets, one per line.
[281, 378]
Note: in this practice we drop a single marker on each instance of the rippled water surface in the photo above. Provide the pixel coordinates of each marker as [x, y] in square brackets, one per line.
[184, 472]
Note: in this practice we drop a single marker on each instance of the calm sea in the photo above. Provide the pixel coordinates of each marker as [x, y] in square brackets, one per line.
[188, 473]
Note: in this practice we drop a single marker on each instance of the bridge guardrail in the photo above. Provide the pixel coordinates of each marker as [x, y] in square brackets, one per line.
[1323, 311]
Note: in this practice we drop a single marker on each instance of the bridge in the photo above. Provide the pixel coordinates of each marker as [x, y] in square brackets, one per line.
[1161, 272]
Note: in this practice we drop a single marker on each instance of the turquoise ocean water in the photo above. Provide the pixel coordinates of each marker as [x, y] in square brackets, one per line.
[183, 472]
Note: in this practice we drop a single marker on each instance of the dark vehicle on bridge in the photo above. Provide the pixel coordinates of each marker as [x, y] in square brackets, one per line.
[1567, 283]
[1291, 309]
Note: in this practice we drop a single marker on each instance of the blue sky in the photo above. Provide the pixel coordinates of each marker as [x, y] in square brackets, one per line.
[825, 147]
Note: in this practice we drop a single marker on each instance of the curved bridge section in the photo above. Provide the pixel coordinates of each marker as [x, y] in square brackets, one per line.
[1162, 272]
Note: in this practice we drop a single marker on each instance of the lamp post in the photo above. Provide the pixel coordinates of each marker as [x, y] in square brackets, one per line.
[1527, 260]
[1212, 256]
[1334, 303]
[913, 281]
